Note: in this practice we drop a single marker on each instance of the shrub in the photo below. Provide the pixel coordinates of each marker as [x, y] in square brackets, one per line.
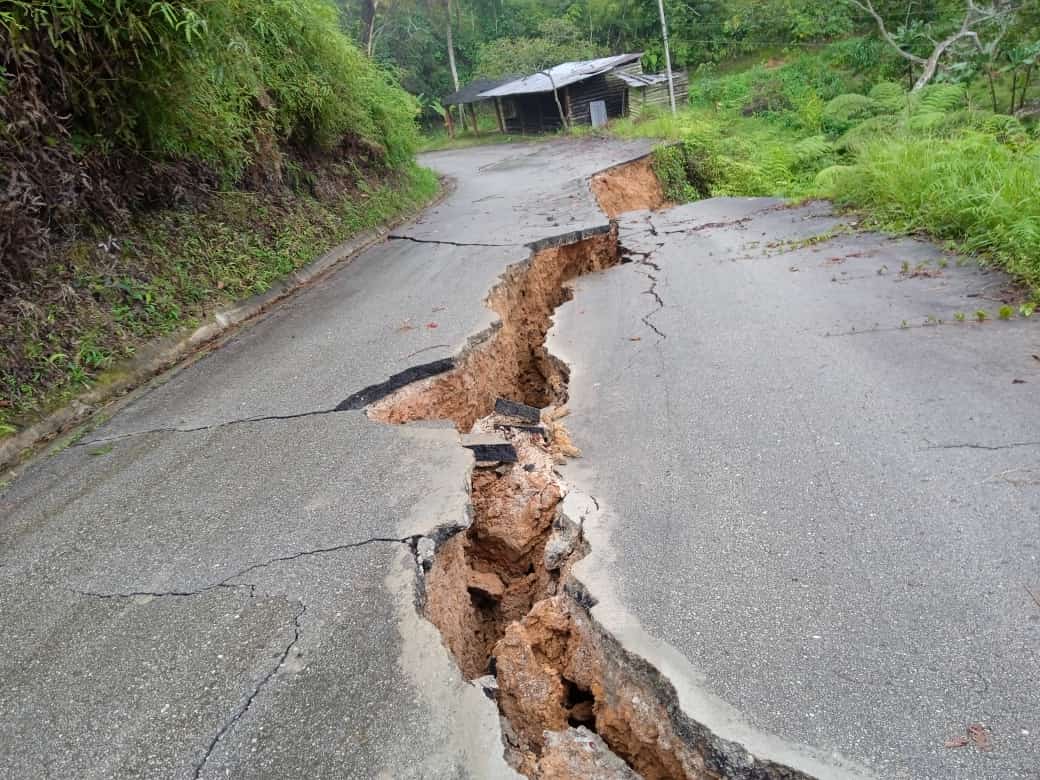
[687, 170]
[970, 188]
[867, 131]
[889, 96]
[939, 98]
[844, 111]
[107, 105]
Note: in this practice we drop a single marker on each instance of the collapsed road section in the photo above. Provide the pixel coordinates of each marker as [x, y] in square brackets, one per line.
[573, 702]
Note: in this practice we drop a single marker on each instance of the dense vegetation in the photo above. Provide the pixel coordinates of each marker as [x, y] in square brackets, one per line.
[490, 37]
[259, 122]
[937, 160]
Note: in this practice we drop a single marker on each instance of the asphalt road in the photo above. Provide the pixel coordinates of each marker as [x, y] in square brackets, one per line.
[818, 509]
[821, 507]
[193, 592]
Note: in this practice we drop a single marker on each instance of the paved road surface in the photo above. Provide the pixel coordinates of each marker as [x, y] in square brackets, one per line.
[266, 626]
[818, 523]
[828, 507]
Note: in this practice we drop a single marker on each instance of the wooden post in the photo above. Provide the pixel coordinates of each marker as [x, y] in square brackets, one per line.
[501, 116]
[448, 123]
[473, 118]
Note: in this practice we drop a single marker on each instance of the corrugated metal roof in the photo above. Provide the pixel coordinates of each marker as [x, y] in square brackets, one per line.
[644, 79]
[560, 76]
[471, 92]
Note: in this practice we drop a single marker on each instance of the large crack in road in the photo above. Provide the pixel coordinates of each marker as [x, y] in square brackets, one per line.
[574, 703]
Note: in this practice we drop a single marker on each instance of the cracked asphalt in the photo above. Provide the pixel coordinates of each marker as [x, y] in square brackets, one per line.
[820, 504]
[810, 506]
[217, 581]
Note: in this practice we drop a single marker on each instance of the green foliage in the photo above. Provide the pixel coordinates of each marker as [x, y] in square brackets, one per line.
[919, 162]
[938, 98]
[891, 97]
[867, 131]
[174, 267]
[970, 188]
[205, 80]
[557, 41]
[844, 111]
[687, 170]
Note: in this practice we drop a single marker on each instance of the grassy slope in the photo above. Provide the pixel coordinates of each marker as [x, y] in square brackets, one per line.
[924, 163]
[107, 298]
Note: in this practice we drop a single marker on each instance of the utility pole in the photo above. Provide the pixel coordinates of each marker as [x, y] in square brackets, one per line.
[667, 55]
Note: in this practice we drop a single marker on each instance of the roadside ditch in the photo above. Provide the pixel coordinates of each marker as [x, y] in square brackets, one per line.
[573, 702]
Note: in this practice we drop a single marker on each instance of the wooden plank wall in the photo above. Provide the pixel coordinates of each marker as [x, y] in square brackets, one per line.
[656, 95]
[610, 90]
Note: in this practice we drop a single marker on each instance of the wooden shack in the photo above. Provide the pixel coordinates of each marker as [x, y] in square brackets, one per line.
[534, 104]
[650, 90]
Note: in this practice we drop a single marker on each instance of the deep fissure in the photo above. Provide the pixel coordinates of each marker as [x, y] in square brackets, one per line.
[573, 702]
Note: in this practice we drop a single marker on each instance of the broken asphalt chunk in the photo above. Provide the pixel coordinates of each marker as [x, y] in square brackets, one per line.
[493, 453]
[518, 410]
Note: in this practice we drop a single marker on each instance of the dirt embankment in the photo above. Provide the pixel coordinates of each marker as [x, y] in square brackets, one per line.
[631, 186]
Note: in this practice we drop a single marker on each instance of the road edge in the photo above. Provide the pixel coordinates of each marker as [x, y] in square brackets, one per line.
[174, 352]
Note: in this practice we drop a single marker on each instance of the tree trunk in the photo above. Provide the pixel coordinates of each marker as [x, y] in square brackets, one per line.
[932, 63]
[556, 96]
[450, 37]
[368, 23]
[974, 17]
[501, 115]
[1025, 86]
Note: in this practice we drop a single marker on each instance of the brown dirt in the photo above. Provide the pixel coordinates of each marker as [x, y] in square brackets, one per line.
[629, 187]
[513, 363]
[556, 669]
[491, 575]
[574, 704]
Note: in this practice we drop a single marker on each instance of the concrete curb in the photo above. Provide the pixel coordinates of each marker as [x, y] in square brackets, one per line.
[158, 356]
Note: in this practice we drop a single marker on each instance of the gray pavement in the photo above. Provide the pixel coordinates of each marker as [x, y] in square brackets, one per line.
[188, 593]
[820, 511]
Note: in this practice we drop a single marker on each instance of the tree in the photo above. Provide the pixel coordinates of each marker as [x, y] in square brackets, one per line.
[368, 24]
[983, 27]
[557, 41]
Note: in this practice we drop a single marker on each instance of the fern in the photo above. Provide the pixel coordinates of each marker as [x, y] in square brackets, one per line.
[925, 121]
[889, 95]
[812, 148]
[940, 98]
[844, 111]
[827, 179]
[867, 131]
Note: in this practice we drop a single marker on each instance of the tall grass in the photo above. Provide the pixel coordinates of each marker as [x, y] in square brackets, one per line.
[971, 189]
[820, 126]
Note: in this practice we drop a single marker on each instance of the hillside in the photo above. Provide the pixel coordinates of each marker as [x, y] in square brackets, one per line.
[161, 158]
